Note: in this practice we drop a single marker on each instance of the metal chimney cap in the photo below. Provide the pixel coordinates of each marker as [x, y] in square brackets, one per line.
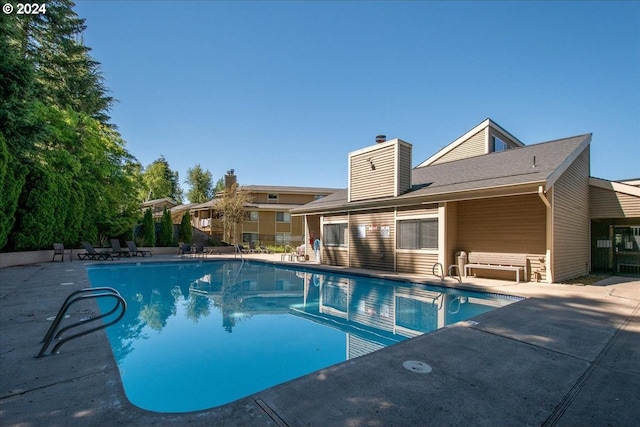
[381, 138]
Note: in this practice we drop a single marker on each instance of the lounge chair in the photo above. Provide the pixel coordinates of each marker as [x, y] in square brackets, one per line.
[265, 250]
[134, 251]
[92, 254]
[252, 247]
[242, 249]
[116, 249]
[58, 249]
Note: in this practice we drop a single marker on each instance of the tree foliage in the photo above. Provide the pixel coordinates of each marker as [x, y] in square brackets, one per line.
[147, 230]
[159, 181]
[65, 173]
[165, 236]
[186, 231]
[232, 205]
[201, 185]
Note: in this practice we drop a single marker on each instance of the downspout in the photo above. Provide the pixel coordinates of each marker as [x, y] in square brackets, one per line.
[549, 234]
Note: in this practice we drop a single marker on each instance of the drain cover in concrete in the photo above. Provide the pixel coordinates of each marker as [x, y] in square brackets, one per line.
[417, 367]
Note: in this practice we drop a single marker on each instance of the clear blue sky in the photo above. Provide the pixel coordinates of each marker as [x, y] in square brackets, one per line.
[283, 91]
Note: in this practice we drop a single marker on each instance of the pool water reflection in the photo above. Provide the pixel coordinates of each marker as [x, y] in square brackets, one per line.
[201, 334]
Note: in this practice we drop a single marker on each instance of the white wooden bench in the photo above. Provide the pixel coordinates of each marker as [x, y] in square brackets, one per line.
[497, 261]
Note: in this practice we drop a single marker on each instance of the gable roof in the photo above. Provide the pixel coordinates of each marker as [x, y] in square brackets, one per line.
[465, 137]
[505, 172]
[283, 189]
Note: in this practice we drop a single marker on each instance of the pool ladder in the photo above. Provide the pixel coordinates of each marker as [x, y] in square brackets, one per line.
[438, 270]
[54, 332]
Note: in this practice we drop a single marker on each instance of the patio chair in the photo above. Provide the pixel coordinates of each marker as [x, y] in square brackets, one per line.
[134, 251]
[198, 250]
[92, 254]
[288, 255]
[116, 249]
[300, 255]
[185, 249]
[58, 249]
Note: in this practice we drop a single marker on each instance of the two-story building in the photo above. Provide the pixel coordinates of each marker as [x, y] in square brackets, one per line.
[267, 218]
[486, 192]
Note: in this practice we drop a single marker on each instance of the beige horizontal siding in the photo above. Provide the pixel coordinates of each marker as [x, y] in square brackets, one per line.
[373, 251]
[571, 225]
[404, 168]
[335, 256]
[417, 210]
[612, 204]
[474, 146]
[367, 182]
[416, 263]
[515, 224]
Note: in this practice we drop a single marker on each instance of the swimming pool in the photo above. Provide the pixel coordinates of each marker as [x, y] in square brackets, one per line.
[197, 335]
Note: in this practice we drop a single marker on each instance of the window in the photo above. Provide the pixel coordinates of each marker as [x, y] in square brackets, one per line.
[336, 234]
[418, 234]
[498, 144]
[283, 217]
[272, 198]
[252, 216]
[250, 237]
[283, 238]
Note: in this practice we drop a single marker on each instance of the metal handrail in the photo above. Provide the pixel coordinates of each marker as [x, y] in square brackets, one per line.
[93, 293]
[433, 270]
[450, 274]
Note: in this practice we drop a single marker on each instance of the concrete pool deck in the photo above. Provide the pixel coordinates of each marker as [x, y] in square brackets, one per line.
[566, 355]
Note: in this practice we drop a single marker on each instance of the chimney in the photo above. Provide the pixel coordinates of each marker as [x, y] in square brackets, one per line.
[380, 139]
[229, 179]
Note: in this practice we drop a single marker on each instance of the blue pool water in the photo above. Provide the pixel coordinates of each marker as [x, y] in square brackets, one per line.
[201, 334]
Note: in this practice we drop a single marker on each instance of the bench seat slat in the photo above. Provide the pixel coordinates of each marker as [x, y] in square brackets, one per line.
[498, 261]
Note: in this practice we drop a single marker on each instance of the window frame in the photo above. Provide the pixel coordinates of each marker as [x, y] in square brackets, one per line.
[286, 216]
[342, 235]
[503, 144]
[430, 245]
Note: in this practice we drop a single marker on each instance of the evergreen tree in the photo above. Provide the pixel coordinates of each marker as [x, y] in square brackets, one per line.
[186, 231]
[160, 181]
[165, 236]
[201, 185]
[147, 230]
[79, 180]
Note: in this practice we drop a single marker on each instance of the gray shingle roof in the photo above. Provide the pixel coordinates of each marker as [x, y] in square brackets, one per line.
[508, 168]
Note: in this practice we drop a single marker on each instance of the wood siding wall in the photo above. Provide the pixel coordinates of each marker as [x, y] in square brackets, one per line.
[416, 263]
[404, 168]
[515, 224]
[373, 251]
[367, 182]
[474, 146]
[571, 225]
[612, 204]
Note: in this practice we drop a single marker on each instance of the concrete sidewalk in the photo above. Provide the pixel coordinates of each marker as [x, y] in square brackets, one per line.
[566, 355]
